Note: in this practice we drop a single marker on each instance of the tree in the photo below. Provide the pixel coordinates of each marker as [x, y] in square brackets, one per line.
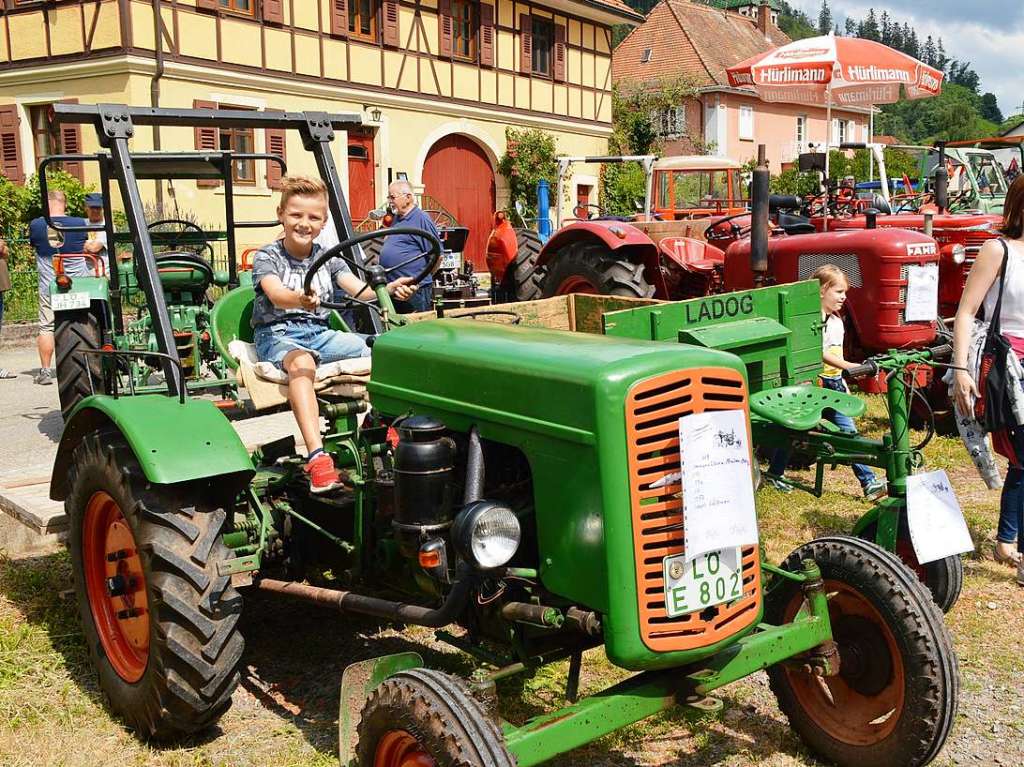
[795, 23]
[851, 27]
[990, 108]
[529, 156]
[928, 52]
[871, 30]
[886, 29]
[824, 18]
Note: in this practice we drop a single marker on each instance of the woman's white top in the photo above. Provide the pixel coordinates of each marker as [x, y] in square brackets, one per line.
[1011, 317]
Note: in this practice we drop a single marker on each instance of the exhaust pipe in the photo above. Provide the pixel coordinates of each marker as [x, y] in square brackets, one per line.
[941, 179]
[759, 217]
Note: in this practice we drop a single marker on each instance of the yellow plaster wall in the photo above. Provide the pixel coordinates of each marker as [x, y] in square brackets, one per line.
[198, 35]
[466, 82]
[142, 26]
[65, 25]
[240, 41]
[335, 63]
[305, 15]
[27, 37]
[307, 55]
[365, 64]
[279, 49]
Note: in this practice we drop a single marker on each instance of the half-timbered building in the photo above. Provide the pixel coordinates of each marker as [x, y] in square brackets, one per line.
[437, 82]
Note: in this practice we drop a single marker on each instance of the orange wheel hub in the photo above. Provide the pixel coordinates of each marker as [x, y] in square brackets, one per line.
[576, 284]
[398, 748]
[115, 586]
[860, 706]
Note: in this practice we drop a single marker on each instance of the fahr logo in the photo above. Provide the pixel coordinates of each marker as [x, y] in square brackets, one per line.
[921, 249]
[929, 81]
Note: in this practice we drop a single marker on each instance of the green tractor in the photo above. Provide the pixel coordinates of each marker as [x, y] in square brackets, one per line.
[514, 487]
[125, 309]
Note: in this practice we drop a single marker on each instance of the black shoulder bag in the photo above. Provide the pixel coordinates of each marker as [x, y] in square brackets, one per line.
[994, 408]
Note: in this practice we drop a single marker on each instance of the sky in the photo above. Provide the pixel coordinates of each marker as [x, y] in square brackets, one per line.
[988, 33]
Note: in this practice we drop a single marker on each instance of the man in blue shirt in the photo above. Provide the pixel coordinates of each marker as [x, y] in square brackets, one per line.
[42, 236]
[403, 247]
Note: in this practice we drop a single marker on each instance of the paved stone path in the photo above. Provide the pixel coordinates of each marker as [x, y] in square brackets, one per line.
[30, 429]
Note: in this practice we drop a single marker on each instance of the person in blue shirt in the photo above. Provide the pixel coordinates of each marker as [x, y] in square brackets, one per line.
[402, 247]
[42, 238]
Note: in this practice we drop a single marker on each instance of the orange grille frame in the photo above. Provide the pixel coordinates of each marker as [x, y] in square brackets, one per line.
[653, 409]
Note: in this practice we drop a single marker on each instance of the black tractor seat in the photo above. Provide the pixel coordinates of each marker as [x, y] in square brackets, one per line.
[792, 224]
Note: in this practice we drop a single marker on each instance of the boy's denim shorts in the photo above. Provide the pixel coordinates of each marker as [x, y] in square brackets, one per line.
[275, 341]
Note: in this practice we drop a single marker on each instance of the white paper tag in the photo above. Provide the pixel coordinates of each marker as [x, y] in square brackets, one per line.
[937, 526]
[922, 293]
[718, 496]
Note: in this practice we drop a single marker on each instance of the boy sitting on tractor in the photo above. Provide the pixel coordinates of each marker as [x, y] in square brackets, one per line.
[290, 328]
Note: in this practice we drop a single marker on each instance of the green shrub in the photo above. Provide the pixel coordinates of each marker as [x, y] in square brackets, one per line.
[529, 156]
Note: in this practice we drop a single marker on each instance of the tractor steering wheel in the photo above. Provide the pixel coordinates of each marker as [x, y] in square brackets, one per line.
[714, 234]
[376, 275]
[183, 226]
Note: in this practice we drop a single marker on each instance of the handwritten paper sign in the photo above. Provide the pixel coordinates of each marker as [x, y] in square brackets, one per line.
[718, 495]
[937, 526]
[922, 292]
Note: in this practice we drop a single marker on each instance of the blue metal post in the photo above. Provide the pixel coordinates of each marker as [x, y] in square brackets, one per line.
[543, 210]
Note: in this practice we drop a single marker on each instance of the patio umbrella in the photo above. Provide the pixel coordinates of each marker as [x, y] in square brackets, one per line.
[845, 71]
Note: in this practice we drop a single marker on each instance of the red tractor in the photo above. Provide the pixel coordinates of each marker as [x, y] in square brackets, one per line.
[687, 257]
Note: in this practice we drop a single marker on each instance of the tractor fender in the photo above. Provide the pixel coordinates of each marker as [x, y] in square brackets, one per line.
[173, 441]
[627, 242]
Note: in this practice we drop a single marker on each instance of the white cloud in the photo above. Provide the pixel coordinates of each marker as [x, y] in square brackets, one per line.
[986, 33]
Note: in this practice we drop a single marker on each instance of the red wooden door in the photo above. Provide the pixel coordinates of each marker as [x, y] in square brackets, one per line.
[361, 192]
[458, 175]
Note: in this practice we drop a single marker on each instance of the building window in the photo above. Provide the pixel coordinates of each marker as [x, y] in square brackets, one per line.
[841, 137]
[241, 6]
[464, 26]
[669, 122]
[242, 141]
[746, 128]
[45, 132]
[362, 18]
[801, 133]
[543, 42]
[646, 57]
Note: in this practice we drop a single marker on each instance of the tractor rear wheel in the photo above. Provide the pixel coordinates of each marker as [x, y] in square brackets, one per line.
[160, 622]
[424, 717]
[371, 251]
[943, 577]
[894, 699]
[79, 373]
[589, 267]
[526, 276]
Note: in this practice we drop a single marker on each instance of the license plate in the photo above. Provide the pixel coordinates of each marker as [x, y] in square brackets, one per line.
[451, 260]
[63, 302]
[708, 579]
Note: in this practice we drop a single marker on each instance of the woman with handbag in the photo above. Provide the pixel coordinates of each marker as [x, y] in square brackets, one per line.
[996, 281]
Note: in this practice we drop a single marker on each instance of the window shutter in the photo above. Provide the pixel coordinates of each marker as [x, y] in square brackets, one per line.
[444, 25]
[389, 14]
[339, 18]
[207, 140]
[10, 148]
[207, 5]
[276, 144]
[486, 35]
[525, 44]
[559, 53]
[273, 11]
[71, 143]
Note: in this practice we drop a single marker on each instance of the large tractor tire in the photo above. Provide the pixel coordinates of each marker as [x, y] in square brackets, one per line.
[943, 577]
[526, 276]
[894, 699]
[160, 622]
[371, 251]
[589, 267]
[426, 717]
[78, 374]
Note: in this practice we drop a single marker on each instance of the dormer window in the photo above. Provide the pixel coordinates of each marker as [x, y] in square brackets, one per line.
[646, 57]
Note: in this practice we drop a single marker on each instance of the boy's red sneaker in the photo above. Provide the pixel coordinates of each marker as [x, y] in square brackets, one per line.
[323, 477]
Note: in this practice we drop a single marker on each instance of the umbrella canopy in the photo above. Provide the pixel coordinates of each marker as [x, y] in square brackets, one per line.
[840, 71]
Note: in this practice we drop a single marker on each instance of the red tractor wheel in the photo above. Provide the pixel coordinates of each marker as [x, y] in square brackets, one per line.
[893, 700]
[425, 718]
[159, 619]
[589, 267]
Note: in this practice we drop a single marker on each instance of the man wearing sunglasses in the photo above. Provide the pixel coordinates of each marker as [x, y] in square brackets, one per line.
[403, 247]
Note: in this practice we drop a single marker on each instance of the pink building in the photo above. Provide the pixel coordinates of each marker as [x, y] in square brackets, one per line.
[688, 39]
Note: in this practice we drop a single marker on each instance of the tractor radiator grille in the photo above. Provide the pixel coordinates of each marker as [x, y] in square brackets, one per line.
[653, 409]
[848, 262]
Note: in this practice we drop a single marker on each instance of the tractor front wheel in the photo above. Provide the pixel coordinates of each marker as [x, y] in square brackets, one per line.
[526, 276]
[425, 718]
[589, 267]
[160, 622]
[894, 698]
[79, 373]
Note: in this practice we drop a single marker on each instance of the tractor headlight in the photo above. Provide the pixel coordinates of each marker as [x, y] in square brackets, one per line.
[959, 254]
[486, 534]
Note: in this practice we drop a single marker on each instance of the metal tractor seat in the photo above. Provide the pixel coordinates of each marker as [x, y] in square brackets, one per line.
[231, 331]
[691, 254]
[184, 272]
[801, 408]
